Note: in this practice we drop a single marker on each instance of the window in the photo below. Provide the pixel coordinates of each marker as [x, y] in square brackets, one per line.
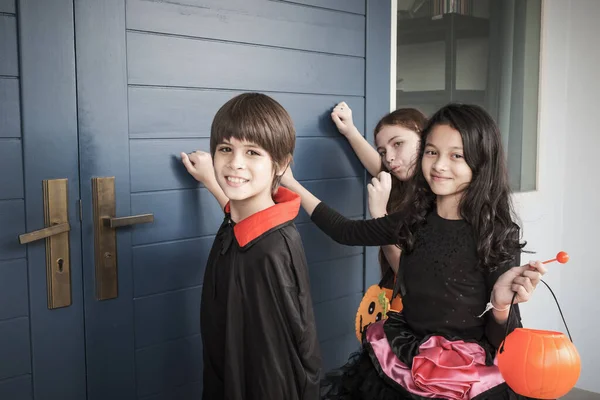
[483, 52]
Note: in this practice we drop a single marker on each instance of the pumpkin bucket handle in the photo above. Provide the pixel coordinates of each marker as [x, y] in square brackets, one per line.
[512, 303]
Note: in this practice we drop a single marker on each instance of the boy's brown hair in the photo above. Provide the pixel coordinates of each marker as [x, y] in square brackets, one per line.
[259, 119]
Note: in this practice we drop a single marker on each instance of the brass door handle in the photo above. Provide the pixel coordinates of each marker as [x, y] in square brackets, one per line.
[105, 236]
[114, 222]
[44, 233]
[56, 234]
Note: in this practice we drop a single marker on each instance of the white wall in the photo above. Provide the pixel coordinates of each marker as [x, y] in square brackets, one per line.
[581, 220]
[560, 215]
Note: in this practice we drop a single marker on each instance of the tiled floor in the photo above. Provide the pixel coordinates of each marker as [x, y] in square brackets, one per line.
[578, 394]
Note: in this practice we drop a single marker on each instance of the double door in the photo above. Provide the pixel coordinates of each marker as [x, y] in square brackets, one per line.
[103, 235]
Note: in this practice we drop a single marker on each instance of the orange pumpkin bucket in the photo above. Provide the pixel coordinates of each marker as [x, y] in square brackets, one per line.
[537, 363]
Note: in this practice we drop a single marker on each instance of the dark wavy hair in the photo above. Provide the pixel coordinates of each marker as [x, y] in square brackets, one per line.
[415, 120]
[486, 204]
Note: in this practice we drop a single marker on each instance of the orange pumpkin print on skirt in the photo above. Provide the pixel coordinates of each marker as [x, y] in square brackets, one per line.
[374, 307]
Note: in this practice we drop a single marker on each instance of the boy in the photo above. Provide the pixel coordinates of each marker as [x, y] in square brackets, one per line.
[257, 322]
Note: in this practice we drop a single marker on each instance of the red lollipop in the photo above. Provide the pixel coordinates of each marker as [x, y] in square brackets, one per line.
[562, 257]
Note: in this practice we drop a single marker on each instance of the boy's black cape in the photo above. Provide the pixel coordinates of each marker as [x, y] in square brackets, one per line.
[257, 323]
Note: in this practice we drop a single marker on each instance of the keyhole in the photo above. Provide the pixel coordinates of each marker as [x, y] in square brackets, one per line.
[108, 260]
[60, 262]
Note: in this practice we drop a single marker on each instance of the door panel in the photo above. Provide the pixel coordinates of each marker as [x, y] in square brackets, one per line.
[15, 376]
[42, 349]
[12, 221]
[49, 121]
[170, 367]
[104, 152]
[9, 64]
[351, 6]
[165, 267]
[151, 76]
[18, 388]
[157, 60]
[11, 163]
[155, 162]
[158, 112]
[265, 22]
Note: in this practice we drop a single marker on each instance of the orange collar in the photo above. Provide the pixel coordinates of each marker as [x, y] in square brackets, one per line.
[286, 208]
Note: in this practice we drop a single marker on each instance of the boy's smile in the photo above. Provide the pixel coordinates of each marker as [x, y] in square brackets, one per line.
[235, 181]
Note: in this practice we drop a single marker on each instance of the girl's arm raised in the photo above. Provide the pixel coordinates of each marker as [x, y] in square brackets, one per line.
[309, 201]
[374, 232]
[368, 156]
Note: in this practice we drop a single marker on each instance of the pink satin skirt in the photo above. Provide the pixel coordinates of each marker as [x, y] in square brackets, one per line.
[443, 368]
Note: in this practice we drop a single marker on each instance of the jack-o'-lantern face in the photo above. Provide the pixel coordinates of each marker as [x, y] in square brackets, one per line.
[373, 307]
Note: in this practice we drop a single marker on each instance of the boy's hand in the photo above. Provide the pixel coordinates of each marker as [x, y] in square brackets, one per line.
[342, 117]
[521, 280]
[379, 193]
[199, 165]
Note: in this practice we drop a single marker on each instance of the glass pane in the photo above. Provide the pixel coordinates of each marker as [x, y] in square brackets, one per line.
[483, 52]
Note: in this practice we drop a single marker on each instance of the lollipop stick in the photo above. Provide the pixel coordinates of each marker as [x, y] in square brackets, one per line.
[562, 257]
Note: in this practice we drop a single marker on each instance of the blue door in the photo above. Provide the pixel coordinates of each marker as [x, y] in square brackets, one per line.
[42, 349]
[140, 82]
